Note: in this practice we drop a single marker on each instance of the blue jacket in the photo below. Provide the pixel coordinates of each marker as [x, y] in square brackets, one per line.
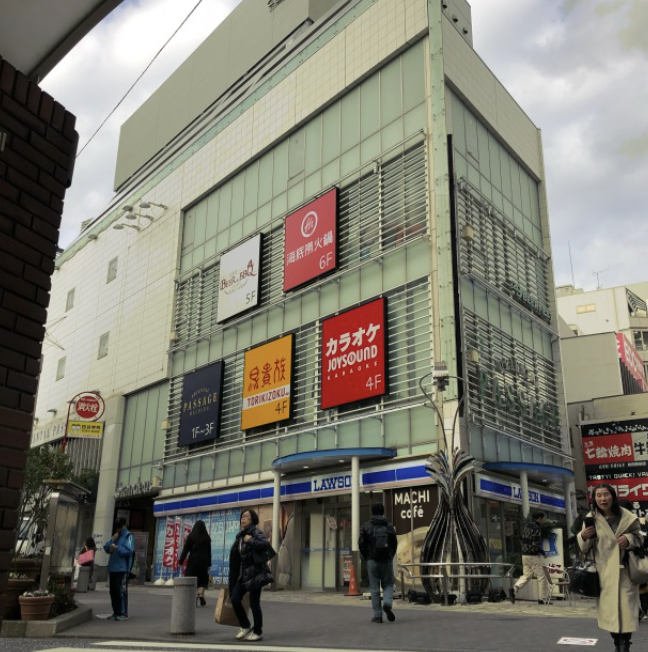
[121, 559]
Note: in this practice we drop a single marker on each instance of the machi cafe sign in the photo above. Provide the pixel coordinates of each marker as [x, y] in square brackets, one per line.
[267, 383]
[201, 405]
[353, 355]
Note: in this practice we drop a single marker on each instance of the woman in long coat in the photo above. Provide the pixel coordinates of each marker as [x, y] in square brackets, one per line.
[615, 530]
[249, 573]
[197, 548]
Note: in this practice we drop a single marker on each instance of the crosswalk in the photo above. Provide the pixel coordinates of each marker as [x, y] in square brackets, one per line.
[143, 646]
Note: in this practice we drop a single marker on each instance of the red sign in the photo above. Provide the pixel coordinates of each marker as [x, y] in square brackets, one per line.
[631, 360]
[353, 355]
[311, 241]
[609, 449]
[89, 407]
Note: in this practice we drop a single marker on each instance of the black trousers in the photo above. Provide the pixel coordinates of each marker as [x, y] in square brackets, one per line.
[119, 593]
[255, 604]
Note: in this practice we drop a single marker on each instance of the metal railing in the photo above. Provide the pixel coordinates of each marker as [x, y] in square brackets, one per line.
[445, 572]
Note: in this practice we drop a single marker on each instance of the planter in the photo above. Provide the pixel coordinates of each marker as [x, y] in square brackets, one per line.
[36, 608]
[29, 566]
[15, 588]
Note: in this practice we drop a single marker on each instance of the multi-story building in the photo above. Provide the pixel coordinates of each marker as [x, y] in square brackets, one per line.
[324, 204]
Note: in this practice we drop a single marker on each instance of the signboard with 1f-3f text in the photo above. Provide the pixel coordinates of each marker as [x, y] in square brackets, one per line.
[353, 355]
[267, 380]
[201, 404]
[311, 241]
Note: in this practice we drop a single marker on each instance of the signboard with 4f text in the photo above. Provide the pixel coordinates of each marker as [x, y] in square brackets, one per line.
[238, 285]
[311, 241]
[267, 379]
[201, 404]
[353, 355]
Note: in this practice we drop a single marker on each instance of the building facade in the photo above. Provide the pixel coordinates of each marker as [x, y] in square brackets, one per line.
[290, 255]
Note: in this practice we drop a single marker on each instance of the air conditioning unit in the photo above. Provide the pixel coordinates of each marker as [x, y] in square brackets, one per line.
[467, 233]
[156, 482]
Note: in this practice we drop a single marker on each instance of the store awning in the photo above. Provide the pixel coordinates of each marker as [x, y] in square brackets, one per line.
[540, 474]
[299, 462]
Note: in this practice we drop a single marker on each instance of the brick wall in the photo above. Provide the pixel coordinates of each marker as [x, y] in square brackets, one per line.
[38, 144]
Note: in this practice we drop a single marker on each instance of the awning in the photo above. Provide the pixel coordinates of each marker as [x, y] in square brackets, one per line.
[540, 474]
[298, 462]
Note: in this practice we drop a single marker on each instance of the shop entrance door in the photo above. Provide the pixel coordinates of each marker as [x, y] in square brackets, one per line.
[326, 545]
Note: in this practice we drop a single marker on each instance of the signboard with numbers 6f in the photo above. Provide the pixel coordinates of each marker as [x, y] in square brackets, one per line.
[267, 383]
[353, 355]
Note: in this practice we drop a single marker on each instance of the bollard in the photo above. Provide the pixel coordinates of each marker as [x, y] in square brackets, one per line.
[84, 579]
[183, 606]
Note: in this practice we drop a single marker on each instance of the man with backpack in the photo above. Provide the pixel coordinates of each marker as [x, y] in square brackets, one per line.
[377, 545]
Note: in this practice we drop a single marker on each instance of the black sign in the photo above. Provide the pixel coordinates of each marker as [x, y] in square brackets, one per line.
[201, 405]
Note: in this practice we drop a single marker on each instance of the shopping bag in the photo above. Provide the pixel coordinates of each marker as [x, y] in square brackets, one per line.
[584, 579]
[86, 558]
[224, 611]
[638, 566]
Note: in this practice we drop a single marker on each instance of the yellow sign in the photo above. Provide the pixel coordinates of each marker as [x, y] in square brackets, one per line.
[86, 429]
[267, 378]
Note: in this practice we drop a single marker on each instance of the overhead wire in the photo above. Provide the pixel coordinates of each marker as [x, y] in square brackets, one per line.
[139, 77]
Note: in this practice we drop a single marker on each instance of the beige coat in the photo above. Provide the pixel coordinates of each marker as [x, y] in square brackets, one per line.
[618, 605]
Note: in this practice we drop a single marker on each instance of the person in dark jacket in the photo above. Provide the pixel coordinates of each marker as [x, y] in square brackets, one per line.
[249, 574]
[120, 547]
[197, 552]
[380, 564]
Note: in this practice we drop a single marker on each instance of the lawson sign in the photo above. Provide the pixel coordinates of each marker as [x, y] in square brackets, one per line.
[491, 487]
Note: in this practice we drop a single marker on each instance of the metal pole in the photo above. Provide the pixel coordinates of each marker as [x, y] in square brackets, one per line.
[524, 488]
[276, 509]
[355, 509]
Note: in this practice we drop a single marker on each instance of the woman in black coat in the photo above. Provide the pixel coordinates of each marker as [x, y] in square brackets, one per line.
[198, 548]
[249, 573]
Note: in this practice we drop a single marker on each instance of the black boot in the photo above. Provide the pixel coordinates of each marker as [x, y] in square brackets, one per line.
[625, 646]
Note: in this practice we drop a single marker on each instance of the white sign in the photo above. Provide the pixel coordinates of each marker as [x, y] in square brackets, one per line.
[568, 640]
[238, 286]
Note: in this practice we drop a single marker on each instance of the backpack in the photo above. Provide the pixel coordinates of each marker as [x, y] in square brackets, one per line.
[381, 550]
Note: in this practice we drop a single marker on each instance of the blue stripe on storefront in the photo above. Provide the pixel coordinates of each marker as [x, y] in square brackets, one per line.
[551, 501]
[379, 477]
[411, 473]
[297, 488]
[496, 487]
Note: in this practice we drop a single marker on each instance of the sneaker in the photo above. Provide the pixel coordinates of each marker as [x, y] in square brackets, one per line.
[390, 614]
[243, 632]
[253, 638]
[121, 617]
[112, 617]
[376, 619]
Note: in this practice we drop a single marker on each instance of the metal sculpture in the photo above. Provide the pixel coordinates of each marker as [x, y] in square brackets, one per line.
[453, 536]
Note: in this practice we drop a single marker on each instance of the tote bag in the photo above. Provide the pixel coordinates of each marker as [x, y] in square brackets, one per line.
[86, 558]
[638, 566]
[224, 611]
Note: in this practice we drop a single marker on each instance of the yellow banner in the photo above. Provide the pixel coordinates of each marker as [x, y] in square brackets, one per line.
[87, 429]
[267, 379]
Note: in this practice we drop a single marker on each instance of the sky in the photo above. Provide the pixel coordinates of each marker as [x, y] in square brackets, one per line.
[578, 68]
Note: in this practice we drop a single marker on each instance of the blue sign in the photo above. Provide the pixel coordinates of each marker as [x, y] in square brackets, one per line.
[201, 405]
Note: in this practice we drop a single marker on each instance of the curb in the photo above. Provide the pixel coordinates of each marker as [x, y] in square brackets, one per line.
[45, 628]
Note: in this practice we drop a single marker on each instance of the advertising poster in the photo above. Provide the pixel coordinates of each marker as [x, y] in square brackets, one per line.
[159, 556]
[85, 429]
[201, 405]
[238, 286]
[616, 452]
[311, 241]
[632, 360]
[217, 534]
[353, 355]
[267, 378]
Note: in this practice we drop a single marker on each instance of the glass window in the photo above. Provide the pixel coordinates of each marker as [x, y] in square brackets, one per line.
[112, 270]
[69, 303]
[369, 107]
[60, 369]
[103, 345]
[331, 133]
[390, 93]
[350, 119]
[413, 71]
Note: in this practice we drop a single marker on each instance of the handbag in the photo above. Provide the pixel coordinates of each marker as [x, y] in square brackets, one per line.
[638, 566]
[134, 571]
[584, 578]
[224, 613]
[263, 556]
[86, 558]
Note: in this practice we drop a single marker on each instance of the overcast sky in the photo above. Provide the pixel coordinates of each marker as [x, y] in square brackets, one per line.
[579, 69]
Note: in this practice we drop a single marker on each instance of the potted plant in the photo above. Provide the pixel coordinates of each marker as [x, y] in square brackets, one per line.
[35, 605]
[17, 584]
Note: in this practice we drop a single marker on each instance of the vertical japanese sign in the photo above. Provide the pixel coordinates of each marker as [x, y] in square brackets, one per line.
[353, 355]
[267, 378]
[311, 241]
[630, 358]
[617, 453]
[238, 285]
[169, 557]
[201, 404]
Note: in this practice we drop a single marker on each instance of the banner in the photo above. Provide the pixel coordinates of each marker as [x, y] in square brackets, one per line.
[201, 405]
[616, 452]
[311, 241]
[85, 429]
[632, 361]
[353, 355]
[267, 383]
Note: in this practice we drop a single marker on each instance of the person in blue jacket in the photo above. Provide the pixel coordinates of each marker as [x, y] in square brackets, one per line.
[120, 547]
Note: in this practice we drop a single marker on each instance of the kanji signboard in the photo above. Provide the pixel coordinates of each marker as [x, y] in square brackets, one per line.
[616, 452]
[311, 241]
[267, 379]
[353, 355]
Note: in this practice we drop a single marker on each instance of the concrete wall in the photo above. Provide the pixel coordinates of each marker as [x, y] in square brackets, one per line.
[36, 163]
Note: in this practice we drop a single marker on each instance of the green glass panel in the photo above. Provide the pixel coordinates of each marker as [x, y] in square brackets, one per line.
[275, 322]
[280, 204]
[193, 473]
[251, 187]
[249, 224]
[253, 459]
[391, 94]
[329, 299]
[350, 120]
[313, 184]
[413, 67]
[392, 134]
[369, 105]
[330, 173]
[326, 439]
[495, 149]
[369, 149]
[371, 433]
[397, 422]
[313, 148]
[264, 215]
[350, 161]
[516, 193]
[280, 168]
[265, 179]
[484, 154]
[268, 455]
[423, 426]
[350, 288]
[331, 133]
[216, 347]
[199, 255]
[235, 233]
[394, 269]
[210, 248]
[349, 435]
[414, 120]
[236, 462]
[224, 207]
[212, 215]
[310, 306]
[202, 353]
[296, 195]
[371, 281]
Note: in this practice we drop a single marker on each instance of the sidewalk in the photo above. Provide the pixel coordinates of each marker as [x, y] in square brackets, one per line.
[304, 619]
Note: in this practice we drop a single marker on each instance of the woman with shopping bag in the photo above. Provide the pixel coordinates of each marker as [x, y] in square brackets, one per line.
[614, 531]
[249, 573]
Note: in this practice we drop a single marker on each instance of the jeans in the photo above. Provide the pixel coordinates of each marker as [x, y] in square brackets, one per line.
[380, 573]
[255, 604]
[119, 593]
